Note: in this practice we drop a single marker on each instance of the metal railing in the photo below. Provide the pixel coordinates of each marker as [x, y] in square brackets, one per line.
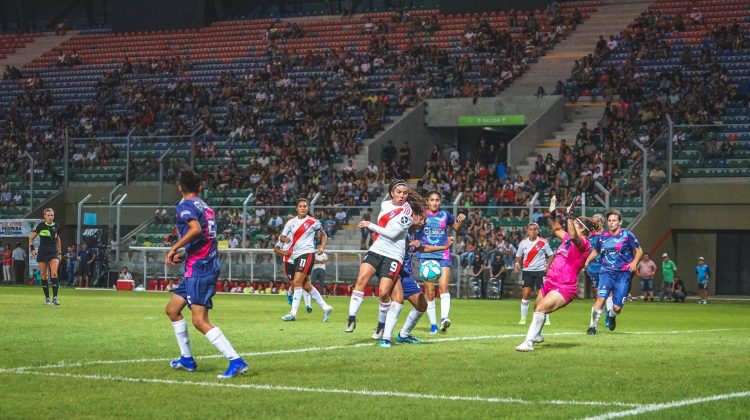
[262, 265]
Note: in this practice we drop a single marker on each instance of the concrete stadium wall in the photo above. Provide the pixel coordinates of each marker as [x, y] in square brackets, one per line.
[685, 220]
[411, 128]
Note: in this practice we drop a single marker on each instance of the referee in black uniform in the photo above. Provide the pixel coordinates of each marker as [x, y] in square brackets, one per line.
[50, 250]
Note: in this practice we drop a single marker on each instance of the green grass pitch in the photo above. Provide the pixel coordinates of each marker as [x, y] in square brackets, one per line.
[105, 354]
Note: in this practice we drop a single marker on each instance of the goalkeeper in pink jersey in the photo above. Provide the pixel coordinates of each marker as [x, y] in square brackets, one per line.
[561, 286]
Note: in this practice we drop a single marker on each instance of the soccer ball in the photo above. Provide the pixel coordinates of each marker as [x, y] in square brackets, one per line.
[430, 270]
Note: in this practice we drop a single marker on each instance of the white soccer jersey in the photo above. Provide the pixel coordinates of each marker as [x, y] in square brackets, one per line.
[302, 234]
[284, 246]
[534, 254]
[389, 237]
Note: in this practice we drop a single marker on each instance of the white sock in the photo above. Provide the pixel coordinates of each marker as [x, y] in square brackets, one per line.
[411, 322]
[216, 337]
[383, 311]
[355, 302]
[546, 319]
[295, 300]
[391, 319]
[181, 332]
[315, 295]
[595, 315]
[431, 313]
[524, 308]
[610, 304]
[537, 323]
[306, 296]
[612, 313]
[445, 305]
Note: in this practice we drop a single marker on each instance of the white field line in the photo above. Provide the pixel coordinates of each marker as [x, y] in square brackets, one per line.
[64, 364]
[360, 392]
[665, 406]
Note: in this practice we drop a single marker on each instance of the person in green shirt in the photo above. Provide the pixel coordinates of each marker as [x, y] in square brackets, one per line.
[669, 270]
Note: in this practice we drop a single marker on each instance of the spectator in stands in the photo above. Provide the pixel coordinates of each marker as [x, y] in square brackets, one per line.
[275, 223]
[341, 217]
[160, 216]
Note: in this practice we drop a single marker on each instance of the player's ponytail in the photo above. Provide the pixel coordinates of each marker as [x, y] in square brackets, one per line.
[417, 203]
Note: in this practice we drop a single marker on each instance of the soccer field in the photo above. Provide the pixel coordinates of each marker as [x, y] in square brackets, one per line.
[105, 354]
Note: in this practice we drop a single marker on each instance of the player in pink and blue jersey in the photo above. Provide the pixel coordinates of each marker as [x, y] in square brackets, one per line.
[561, 284]
[196, 225]
[434, 233]
[620, 252]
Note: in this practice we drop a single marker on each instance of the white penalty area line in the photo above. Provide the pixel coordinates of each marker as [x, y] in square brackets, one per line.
[665, 406]
[359, 392]
[340, 347]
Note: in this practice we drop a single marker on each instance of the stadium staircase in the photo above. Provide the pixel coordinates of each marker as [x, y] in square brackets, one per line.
[31, 46]
[610, 18]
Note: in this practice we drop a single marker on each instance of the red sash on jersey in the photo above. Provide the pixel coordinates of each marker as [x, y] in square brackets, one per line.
[383, 221]
[298, 234]
[532, 253]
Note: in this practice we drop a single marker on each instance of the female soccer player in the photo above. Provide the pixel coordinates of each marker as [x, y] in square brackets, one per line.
[408, 288]
[300, 232]
[435, 233]
[196, 225]
[386, 254]
[532, 257]
[49, 253]
[620, 252]
[561, 286]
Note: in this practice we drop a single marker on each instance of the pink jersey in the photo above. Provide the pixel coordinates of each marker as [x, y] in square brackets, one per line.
[562, 275]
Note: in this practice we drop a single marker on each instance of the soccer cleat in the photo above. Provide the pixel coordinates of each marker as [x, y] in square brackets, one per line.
[289, 298]
[236, 367]
[522, 321]
[378, 333]
[445, 324]
[612, 323]
[591, 331]
[351, 325]
[308, 309]
[288, 317]
[55, 301]
[538, 339]
[606, 318]
[327, 313]
[526, 346]
[386, 344]
[48, 302]
[409, 339]
[184, 363]
[433, 329]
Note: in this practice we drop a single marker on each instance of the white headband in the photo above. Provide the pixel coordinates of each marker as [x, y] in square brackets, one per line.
[584, 226]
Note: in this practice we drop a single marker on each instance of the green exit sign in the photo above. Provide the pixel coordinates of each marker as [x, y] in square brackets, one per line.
[490, 120]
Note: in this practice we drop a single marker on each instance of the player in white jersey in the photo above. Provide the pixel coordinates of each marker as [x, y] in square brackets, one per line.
[300, 231]
[386, 254]
[533, 257]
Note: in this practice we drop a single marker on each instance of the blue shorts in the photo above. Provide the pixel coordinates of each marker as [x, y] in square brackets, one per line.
[443, 262]
[410, 286]
[198, 290]
[617, 282]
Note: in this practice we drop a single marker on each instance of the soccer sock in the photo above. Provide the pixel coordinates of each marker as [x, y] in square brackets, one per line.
[524, 308]
[55, 286]
[411, 321]
[445, 305]
[315, 295]
[295, 300]
[383, 312]
[391, 319]
[216, 337]
[431, 313]
[45, 288]
[595, 315]
[537, 323]
[181, 332]
[610, 303]
[612, 313]
[306, 296]
[355, 302]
